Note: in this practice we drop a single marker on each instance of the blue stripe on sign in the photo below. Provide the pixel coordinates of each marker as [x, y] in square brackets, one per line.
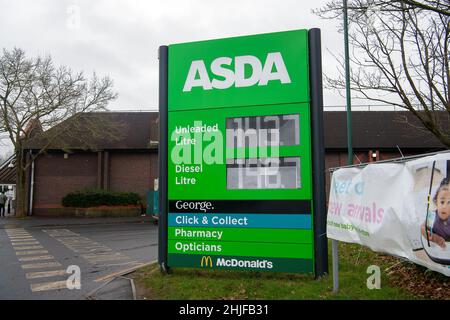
[269, 221]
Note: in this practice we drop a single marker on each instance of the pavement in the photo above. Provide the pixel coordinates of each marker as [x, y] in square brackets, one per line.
[118, 288]
[30, 222]
[73, 258]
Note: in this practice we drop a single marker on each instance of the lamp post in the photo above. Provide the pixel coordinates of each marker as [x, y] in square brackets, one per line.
[347, 88]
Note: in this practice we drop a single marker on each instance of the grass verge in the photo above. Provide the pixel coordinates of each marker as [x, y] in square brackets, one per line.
[399, 280]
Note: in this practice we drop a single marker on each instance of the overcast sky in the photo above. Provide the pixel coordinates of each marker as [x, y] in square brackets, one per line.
[120, 38]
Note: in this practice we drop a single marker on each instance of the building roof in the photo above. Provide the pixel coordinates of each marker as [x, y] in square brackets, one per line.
[8, 172]
[381, 130]
[139, 130]
[102, 131]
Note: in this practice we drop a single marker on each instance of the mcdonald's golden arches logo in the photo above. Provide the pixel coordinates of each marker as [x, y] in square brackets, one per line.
[206, 260]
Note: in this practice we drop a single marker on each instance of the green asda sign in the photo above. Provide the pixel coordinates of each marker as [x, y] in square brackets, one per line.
[241, 154]
[236, 72]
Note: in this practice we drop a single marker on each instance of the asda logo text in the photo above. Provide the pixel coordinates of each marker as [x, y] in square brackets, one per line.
[224, 77]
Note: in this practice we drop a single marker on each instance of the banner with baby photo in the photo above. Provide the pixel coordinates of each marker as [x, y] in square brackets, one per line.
[399, 208]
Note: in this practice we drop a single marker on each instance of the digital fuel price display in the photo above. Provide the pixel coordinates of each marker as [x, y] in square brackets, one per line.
[237, 155]
[263, 172]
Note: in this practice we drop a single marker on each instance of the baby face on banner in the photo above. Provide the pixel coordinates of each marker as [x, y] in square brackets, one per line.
[443, 204]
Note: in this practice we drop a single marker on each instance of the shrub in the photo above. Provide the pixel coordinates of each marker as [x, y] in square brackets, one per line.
[97, 197]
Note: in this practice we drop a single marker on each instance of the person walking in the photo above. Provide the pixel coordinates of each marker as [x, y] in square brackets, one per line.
[3, 199]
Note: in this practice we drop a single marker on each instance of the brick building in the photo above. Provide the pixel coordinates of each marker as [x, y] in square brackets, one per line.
[130, 162]
[377, 135]
[125, 161]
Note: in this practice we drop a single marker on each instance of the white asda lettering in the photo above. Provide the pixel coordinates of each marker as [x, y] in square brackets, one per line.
[274, 69]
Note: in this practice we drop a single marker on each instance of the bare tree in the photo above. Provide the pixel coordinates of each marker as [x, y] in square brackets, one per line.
[400, 56]
[36, 96]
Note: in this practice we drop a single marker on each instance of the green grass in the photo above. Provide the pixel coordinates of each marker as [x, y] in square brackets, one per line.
[185, 284]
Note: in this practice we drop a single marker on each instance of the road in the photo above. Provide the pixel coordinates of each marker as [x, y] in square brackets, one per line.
[34, 260]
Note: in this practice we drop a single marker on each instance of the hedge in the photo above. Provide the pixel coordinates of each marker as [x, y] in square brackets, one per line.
[95, 198]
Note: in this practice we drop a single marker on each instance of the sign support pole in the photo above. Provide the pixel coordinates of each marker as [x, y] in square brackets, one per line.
[335, 257]
[318, 154]
[163, 55]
